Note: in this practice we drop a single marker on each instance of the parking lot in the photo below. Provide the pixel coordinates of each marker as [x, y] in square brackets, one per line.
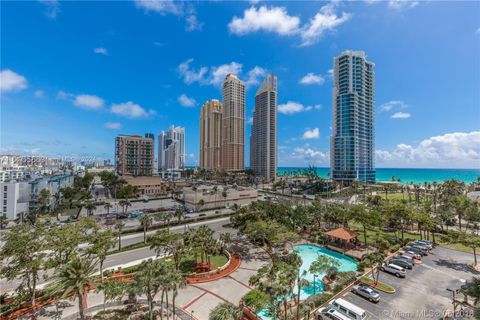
[422, 294]
[135, 205]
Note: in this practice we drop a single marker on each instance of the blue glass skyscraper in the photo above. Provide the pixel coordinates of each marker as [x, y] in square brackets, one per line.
[352, 145]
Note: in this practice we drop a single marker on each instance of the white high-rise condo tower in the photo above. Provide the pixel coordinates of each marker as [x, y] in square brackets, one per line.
[171, 152]
[352, 145]
[233, 123]
[263, 139]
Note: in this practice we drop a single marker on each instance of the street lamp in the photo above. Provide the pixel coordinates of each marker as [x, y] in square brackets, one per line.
[453, 301]
[314, 286]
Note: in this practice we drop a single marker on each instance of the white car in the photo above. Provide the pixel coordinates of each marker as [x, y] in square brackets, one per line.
[398, 271]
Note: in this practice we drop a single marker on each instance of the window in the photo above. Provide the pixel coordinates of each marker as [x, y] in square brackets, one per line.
[5, 188]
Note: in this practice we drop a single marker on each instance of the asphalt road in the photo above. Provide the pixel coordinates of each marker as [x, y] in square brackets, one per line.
[422, 293]
[218, 225]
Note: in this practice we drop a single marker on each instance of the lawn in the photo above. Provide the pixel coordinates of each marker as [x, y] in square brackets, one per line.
[371, 235]
[186, 265]
[380, 286]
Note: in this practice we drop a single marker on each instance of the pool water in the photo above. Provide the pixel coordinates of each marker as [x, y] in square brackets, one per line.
[309, 253]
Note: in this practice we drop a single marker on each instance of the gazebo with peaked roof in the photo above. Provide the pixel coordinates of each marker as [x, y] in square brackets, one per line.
[343, 237]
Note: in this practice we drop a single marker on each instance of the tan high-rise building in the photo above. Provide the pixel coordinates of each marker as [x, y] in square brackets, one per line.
[233, 123]
[211, 135]
[134, 155]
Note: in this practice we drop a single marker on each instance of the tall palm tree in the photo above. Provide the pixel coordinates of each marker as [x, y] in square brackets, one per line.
[107, 207]
[177, 281]
[149, 280]
[146, 221]
[226, 311]
[119, 225]
[75, 277]
[90, 206]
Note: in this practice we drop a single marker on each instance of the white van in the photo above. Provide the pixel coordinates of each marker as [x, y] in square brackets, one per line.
[330, 313]
[349, 309]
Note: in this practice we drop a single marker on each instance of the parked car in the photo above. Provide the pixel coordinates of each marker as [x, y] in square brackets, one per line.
[217, 212]
[349, 309]
[406, 258]
[122, 216]
[422, 252]
[366, 292]
[412, 254]
[421, 244]
[136, 214]
[402, 263]
[202, 215]
[187, 217]
[398, 271]
[330, 313]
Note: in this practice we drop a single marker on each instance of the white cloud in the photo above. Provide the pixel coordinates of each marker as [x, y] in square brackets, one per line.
[39, 94]
[130, 110]
[11, 81]
[402, 4]
[192, 23]
[277, 20]
[62, 95]
[304, 156]
[311, 134]
[325, 20]
[52, 8]
[451, 150]
[292, 107]
[250, 121]
[215, 75]
[394, 104]
[162, 7]
[312, 78]
[254, 75]
[185, 101]
[103, 51]
[401, 115]
[478, 31]
[189, 76]
[113, 125]
[218, 73]
[273, 19]
[88, 101]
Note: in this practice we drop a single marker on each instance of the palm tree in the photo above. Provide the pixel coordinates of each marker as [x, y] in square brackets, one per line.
[90, 206]
[101, 242]
[472, 289]
[146, 221]
[226, 311]
[179, 214]
[177, 281]
[107, 207]
[374, 260]
[119, 225]
[75, 277]
[149, 280]
[124, 204]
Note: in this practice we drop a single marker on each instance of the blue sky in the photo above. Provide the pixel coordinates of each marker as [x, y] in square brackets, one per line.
[76, 74]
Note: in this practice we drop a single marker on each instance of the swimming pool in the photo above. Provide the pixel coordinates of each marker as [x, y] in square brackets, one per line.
[309, 253]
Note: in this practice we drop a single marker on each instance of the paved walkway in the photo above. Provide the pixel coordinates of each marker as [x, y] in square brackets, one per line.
[201, 298]
[195, 300]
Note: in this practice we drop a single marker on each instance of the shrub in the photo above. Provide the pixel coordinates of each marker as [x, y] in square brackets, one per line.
[394, 248]
[256, 299]
[361, 266]
[319, 299]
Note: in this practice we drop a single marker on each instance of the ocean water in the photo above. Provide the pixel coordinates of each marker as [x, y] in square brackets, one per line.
[405, 175]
